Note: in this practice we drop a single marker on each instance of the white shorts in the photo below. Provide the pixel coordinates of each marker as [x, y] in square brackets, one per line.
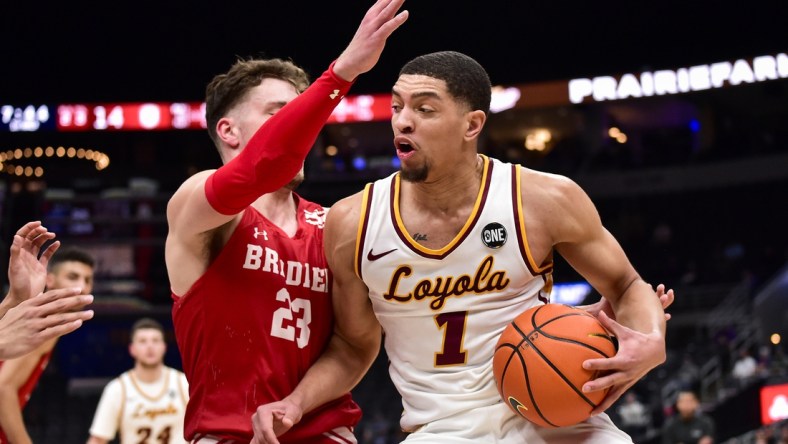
[498, 424]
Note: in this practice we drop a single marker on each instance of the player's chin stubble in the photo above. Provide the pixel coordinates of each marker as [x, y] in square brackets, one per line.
[415, 174]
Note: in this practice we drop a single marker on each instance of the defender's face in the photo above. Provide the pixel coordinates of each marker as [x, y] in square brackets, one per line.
[257, 106]
[71, 274]
[428, 124]
[148, 347]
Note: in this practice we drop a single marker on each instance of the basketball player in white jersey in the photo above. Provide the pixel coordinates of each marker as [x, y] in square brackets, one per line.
[146, 403]
[444, 254]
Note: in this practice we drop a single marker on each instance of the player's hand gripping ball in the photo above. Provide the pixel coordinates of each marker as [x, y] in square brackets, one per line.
[538, 364]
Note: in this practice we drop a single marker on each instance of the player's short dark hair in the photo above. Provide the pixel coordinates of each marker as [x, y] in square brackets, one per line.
[228, 89]
[466, 80]
[71, 254]
[144, 324]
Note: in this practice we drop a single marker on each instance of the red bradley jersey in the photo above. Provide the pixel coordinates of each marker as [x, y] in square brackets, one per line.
[253, 324]
[27, 388]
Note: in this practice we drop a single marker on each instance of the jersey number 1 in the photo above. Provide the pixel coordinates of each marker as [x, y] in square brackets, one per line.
[453, 325]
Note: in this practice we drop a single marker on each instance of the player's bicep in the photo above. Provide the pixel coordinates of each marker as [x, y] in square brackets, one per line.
[189, 213]
[355, 320]
[589, 247]
[602, 262]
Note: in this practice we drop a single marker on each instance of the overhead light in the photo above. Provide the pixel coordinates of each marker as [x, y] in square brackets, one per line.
[100, 159]
[538, 139]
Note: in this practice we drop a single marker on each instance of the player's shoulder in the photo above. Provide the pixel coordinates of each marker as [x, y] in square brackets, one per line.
[194, 181]
[176, 372]
[347, 207]
[548, 186]
[342, 220]
[115, 384]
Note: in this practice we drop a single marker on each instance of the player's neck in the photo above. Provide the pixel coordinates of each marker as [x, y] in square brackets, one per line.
[148, 374]
[451, 190]
[280, 208]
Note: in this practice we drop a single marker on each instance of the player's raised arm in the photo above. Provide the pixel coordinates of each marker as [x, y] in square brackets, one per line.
[276, 152]
[640, 327]
[354, 344]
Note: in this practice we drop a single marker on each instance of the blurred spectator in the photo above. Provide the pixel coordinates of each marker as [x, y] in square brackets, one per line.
[376, 430]
[779, 362]
[764, 361]
[745, 368]
[635, 418]
[772, 434]
[690, 425]
[688, 373]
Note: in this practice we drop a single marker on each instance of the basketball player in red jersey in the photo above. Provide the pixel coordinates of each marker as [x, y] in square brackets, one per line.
[444, 254]
[18, 377]
[28, 316]
[244, 253]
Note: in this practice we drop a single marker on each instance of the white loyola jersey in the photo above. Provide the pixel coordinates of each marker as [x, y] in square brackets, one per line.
[442, 311]
[143, 412]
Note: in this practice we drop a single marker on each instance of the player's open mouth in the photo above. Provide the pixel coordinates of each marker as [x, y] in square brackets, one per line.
[404, 147]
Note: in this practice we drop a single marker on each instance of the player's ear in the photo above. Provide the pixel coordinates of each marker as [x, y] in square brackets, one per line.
[227, 132]
[475, 123]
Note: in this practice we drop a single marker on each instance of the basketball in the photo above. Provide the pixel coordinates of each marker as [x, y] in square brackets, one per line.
[538, 364]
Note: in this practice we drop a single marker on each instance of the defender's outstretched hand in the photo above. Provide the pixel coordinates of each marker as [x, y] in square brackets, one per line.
[364, 50]
[27, 266]
[41, 318]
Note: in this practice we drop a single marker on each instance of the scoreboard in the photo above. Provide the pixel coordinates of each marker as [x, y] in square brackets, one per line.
[156, 116]
[130, 116]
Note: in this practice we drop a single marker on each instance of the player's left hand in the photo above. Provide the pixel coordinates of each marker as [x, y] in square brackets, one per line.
[274, 419]
[637, 354]
[27, 265]
[666, 299]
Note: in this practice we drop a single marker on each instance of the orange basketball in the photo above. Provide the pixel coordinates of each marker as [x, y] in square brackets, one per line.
[538, 364]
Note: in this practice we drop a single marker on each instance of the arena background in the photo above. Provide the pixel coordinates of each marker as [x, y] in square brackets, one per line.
[693, 184]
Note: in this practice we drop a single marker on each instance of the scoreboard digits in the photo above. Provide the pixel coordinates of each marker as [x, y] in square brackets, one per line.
[161, 116]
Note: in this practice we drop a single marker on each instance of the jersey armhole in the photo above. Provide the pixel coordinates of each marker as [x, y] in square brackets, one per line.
[522, 236]
[363, 220]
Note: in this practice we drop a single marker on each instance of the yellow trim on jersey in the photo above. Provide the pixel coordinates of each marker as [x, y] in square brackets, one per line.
[165, 374]
[465, 228]
[122, 404]
[360, 230]
[179, 383]
[521, 224]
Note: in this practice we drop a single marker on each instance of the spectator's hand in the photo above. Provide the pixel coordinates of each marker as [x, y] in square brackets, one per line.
[27, 272]
[41, 318]
[274, 419]
[666, 299]
[364, 50]
[637, 354]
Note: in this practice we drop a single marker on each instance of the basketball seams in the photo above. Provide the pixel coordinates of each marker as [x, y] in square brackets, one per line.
[555, 369]
[516, 351]
[576, 342]
[555, 361]
[538, 329]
